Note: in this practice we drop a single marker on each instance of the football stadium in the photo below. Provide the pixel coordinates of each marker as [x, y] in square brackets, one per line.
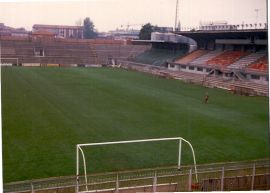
[186, 110]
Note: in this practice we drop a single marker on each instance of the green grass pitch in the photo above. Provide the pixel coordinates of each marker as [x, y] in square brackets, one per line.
[47, 111]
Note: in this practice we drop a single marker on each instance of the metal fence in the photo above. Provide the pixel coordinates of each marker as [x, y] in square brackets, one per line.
[211, 177]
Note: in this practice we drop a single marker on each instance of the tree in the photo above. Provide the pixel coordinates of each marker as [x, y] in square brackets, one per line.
[89, 29]
[145, 32]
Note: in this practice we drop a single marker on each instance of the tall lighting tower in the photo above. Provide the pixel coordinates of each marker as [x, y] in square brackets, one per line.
[257, 14]
[176, 15]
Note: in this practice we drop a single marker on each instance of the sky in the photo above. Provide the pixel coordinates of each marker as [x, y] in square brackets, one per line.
[111, 14]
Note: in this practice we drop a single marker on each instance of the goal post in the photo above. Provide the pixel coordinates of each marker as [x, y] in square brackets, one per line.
[79, 150]
[9, 61]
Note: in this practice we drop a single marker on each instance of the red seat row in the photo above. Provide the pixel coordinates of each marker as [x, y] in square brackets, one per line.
[261, 64]
[227, 58]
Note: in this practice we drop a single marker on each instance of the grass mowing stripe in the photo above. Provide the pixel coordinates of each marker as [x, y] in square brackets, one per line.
[46, 111]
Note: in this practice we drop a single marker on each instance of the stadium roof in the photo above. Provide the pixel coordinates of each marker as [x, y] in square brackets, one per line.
[149, 41]
[232, 34]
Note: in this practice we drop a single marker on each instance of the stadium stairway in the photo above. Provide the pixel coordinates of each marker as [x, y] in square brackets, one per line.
[204, 58]
[93, 53]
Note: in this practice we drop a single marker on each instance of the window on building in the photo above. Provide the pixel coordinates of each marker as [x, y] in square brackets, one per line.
[199, 69]
[172, 65]
[183, 66]
[70, 33]
[39, 52]
[62, 32]
[191, 67]
[255, 77]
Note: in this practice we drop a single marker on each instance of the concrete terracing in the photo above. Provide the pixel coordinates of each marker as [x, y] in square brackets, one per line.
[57, 51]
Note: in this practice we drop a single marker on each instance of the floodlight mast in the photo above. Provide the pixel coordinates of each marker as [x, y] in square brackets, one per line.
[78, 148]
[176, 16]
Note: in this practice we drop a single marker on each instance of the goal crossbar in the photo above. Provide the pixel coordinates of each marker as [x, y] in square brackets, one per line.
[131, 141]
[79, 149]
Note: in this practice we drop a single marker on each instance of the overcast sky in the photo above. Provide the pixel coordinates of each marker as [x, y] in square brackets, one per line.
[110, 14]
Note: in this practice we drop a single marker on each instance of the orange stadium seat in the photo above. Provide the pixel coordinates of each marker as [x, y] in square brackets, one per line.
[227, 58]
[261, 64]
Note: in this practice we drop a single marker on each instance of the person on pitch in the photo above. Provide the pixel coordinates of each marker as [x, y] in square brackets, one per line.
[206, 97]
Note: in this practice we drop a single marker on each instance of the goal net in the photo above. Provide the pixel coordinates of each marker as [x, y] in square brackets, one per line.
[80, 154]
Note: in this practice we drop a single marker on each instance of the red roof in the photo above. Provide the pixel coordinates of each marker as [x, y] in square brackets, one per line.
[43, 32]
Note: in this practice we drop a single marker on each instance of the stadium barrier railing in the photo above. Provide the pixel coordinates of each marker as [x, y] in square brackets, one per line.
[248, 175]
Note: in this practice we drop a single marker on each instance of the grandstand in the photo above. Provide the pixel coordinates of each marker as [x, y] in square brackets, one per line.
[232, 57]
[62, 52]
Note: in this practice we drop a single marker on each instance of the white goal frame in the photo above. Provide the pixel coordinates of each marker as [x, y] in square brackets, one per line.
[1, 59]
[79, 149]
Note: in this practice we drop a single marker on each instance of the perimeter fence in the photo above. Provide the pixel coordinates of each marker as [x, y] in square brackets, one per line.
[233, 176]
